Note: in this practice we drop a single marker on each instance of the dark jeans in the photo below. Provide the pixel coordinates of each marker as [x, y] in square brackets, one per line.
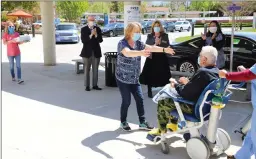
[126, 90]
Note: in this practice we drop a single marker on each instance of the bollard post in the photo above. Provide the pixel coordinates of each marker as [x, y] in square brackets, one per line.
[193, 30]
[205, 29]
[33, 30]
[248, 91]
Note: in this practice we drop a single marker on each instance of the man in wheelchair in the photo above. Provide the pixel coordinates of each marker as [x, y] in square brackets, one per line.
[188, 90]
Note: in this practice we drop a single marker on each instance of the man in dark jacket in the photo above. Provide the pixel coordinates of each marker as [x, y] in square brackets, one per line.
[91, 37]
[187, 89]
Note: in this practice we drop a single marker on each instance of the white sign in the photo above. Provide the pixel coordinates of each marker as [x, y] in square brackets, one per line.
[131, 14]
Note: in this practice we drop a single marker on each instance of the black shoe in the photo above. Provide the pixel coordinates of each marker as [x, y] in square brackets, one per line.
[125, 126]
[96, 88]
[87, 89]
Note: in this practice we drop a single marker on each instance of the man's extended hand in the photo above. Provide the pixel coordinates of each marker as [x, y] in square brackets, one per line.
[173, 82]
[183, 80]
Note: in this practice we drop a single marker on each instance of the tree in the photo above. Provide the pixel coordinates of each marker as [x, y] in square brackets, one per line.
[71, 10]
[11, 5]
[98, 7]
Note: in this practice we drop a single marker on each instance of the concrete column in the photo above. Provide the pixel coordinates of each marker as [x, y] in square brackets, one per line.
[132, 12]
[48, 32]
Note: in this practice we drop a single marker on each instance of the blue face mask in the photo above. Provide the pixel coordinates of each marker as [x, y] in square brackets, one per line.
[136, 37]
[156, 29]
[10, 30]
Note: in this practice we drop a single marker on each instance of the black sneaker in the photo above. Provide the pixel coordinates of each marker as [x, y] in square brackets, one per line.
[145, 126]
[125, 126]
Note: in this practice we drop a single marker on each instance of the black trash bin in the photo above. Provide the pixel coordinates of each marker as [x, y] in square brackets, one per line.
[110, 68]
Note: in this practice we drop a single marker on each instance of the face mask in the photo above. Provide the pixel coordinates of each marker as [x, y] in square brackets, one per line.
[198, 60]
[91, 23]
[156, 29]
[136, 37]
[213, 29]
[10, 30]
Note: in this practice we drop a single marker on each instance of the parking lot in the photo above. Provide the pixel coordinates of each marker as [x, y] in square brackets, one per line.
[52, 117]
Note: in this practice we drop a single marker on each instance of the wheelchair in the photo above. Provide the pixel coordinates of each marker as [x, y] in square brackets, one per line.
[207, 112]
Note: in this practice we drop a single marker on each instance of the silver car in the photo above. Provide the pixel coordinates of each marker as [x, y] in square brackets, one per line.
[67, 33]
[182, 25]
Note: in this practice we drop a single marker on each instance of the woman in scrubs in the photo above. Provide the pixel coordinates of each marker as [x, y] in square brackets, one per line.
[249, 146]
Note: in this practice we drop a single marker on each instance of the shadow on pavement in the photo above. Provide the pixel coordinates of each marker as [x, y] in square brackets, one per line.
[148, 151]
[61, 87]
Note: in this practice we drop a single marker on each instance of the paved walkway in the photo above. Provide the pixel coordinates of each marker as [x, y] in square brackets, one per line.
[52, 117]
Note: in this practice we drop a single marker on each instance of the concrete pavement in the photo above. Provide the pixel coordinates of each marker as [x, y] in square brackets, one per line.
[52, 117]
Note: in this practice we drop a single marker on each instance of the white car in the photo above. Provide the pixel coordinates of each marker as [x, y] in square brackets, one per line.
[182, 25]
[38, 24]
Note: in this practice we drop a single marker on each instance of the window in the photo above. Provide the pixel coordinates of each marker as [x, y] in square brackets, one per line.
[244, 45]
[66, 27]
[241, 45]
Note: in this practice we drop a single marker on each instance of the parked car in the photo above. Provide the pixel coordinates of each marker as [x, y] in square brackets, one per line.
[113, 29]
[182, 25]
[185, 59]
[165, 25]
[169, 26]
[67, 33]
[38, 24]
[146, 25]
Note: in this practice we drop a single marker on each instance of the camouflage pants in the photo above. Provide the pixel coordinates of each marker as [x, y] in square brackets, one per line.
[164, 109]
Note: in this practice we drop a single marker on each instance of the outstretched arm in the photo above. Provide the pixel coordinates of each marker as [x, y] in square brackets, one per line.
[245, 75]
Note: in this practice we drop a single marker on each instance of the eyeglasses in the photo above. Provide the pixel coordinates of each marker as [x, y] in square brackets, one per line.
[11, 26]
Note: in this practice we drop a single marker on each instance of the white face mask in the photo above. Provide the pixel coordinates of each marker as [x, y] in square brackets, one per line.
[213, 29]
[91, 23]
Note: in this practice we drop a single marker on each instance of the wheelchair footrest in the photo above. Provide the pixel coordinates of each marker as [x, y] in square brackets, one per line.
[152, 138]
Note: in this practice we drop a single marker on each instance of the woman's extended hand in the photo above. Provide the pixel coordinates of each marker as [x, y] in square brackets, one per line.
[241, 68]
[222, 73]
[203, 36]
[169, 51]
[145, 53]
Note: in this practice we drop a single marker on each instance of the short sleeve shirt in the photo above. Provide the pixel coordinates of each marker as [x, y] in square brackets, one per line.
[12, 48]
[128, 68]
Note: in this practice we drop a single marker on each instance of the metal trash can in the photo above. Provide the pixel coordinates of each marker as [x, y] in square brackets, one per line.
[110, 68]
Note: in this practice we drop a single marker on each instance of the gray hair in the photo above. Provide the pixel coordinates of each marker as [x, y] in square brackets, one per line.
[211, 54]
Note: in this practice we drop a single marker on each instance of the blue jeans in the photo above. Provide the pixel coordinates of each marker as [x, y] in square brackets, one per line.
[126, 90]
[11, 62]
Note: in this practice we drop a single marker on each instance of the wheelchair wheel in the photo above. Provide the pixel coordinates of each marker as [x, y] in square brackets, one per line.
[223, 139]
[165, 148]
[198, 149]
